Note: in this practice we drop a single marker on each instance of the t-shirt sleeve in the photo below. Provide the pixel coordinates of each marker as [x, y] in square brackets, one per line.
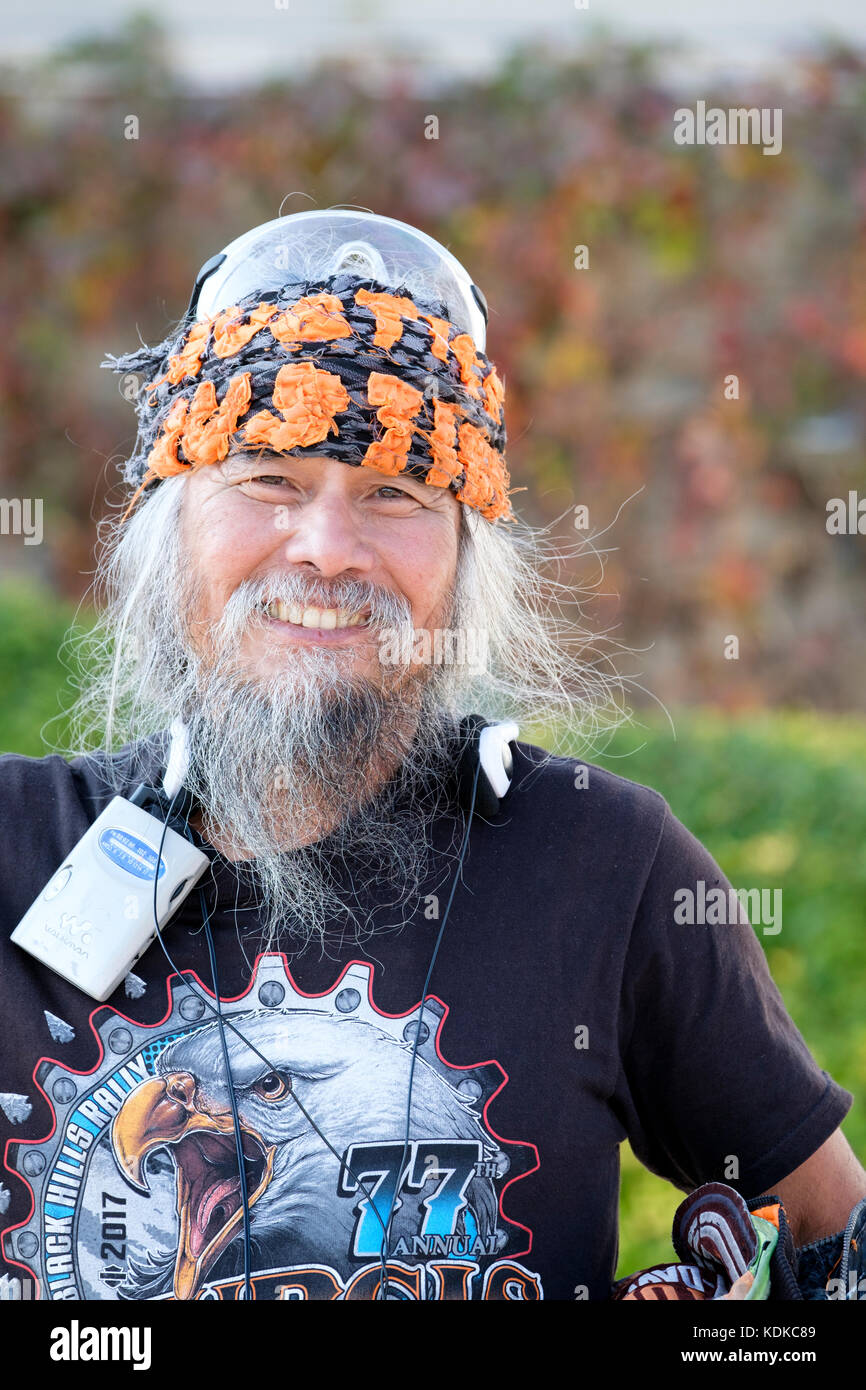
[717, 1081]
[42, 818]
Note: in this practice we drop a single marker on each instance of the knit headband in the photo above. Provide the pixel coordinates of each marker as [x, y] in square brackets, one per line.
[343, 367]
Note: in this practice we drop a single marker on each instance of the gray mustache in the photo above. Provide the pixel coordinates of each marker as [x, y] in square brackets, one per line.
[385, 608]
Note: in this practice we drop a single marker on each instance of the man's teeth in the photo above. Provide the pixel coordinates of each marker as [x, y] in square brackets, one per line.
[313, 617]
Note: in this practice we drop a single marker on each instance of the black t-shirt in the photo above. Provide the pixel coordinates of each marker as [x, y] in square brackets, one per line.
[570, 1008]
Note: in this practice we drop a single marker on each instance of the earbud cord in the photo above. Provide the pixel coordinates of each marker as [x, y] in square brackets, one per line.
[386, 1239]
[223, 1022]
[226, 1023]
[239, 1142]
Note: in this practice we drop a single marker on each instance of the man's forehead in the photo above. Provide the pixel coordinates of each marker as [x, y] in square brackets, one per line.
[239, 458]
[238, 453]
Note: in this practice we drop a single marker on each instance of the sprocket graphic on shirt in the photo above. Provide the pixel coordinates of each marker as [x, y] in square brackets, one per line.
[136, 1191]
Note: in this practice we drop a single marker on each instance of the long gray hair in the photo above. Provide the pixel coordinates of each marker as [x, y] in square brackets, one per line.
[531, 657]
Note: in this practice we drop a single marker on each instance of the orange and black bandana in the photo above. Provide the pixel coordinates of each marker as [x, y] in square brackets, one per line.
[343, 367]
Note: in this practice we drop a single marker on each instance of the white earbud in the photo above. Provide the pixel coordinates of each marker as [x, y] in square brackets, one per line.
[494, 755]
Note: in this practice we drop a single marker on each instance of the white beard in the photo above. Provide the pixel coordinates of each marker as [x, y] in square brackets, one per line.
[316, 769]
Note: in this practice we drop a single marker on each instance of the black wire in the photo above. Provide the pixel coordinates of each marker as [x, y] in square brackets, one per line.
[383, 1287]
[242, 1171]
[226, 1023]
[382, 1291]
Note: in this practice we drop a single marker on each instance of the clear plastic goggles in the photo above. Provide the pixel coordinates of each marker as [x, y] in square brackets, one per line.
[314, 245]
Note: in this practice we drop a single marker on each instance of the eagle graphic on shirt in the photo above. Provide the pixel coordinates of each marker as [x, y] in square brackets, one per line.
[137, 1194]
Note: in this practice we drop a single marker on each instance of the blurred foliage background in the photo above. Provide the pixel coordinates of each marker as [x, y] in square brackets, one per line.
[702, 262]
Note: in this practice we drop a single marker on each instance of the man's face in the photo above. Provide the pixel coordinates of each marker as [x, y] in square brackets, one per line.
[260, 514]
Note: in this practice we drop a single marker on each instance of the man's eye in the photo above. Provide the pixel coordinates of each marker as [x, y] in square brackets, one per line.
[262, 486]
[397, 492]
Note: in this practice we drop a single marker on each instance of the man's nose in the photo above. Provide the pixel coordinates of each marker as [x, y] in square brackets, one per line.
[326, 532]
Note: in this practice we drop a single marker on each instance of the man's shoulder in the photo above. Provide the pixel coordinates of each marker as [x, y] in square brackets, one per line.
[582, 798]
[556, 773]
[48, 802]
[33, 784]
[24, 775]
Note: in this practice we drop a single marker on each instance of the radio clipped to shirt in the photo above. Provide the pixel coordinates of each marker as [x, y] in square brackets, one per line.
[95, 916]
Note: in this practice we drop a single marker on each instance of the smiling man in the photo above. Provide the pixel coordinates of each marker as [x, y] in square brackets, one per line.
[299, 570]
[396, 1039]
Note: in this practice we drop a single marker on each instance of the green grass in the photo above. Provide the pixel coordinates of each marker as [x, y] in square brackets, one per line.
[777, 798]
